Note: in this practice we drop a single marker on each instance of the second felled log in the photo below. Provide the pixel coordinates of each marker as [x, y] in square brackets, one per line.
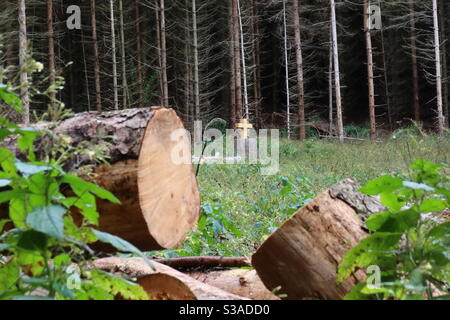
[302, 256]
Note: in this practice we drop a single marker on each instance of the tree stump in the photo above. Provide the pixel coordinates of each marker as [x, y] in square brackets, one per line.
[302, 256]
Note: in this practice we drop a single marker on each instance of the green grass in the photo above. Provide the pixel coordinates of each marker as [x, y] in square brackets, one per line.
[241, 207]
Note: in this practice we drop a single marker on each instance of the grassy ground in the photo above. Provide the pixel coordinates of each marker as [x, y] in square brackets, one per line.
[241, 207]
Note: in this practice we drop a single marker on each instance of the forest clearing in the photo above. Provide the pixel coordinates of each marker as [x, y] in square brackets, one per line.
[224, 150]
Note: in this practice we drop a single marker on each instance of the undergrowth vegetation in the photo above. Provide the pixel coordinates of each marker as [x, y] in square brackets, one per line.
[241, 207]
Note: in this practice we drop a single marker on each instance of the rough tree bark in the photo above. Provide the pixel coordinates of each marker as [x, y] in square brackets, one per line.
[139, 54]
[114, 58]
[437, 50]
[371, 86]
[196, 66]
[337, 75]
[165, 84]
[300, 78]
[303, 254]
[124, 64]
[163, 283]
[98, 96]
[24, 92]
[415, 72]
[244, 283]
[51, 53]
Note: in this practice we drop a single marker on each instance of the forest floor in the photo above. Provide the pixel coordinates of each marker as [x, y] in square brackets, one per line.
[241, 207]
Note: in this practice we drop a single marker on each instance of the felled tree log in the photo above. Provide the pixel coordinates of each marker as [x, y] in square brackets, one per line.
[160, 197]
[302, 256]
[163, 282]
[184, 263]
[244, 283]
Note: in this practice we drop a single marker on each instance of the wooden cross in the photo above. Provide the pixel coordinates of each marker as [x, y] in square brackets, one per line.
[245, 126]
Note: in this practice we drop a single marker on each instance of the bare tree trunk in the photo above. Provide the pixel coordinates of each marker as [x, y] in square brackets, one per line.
[24, 93]
[196, 72]
[386, 82]
[113, 42]
[139, 54]
[158, 39]
[286, 69]
[51, 53]
[164, 56]
[337, 76]
[257, 61]
[187, 64]
[237, 60]
[415, 72]
[330, 88]
[233, 80]
[98, 97]
[373, 128]
[300, 78]
[124, 65]
[444, 63]
[440, 114]
[244, 71]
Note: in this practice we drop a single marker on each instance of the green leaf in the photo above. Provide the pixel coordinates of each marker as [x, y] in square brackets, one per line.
[10, 98]
[17, 211]
[433, 205]
[6, 196]
[80, 187]
[9, 275]
[32, 240]
[117, 242]
[367, 252]
[382, 184]
[28, 169]
[48, 220]
[391, 201]
[3, 222]
[376, 221]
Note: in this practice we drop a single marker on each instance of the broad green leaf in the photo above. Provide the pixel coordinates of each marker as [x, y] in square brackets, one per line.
[391, 201]
[117, 242]
[9, 275]
[400, 222]
[367, 252]
[32, 240]
[48, 220]
[80, 187]
[6, 196]
[376, 221]
[382, 184]
[10, 98]
[17, 211]
[433, 205]
[28, 169]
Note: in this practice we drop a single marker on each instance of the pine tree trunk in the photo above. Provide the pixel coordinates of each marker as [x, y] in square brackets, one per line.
[139, 54]
[445, 78]
[114, 58]
[372, 119]
[124, 65]
[286, 73]
[196, 66]
[244, 68]
[158, 40]
[300, 78]
[437, 50]
[98, 96]
[165, 84]
[415, 72]
[337, 76]
[237, 60]
[23, 48]
[257, 62]
[51, 55]
[233, 80]
[330, 88]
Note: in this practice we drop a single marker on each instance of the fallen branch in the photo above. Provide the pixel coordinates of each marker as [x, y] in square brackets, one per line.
[183, 263]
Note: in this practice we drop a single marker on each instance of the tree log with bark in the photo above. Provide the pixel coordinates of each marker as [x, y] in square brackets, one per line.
[163, 282]
[302, 256]
[150, 172]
